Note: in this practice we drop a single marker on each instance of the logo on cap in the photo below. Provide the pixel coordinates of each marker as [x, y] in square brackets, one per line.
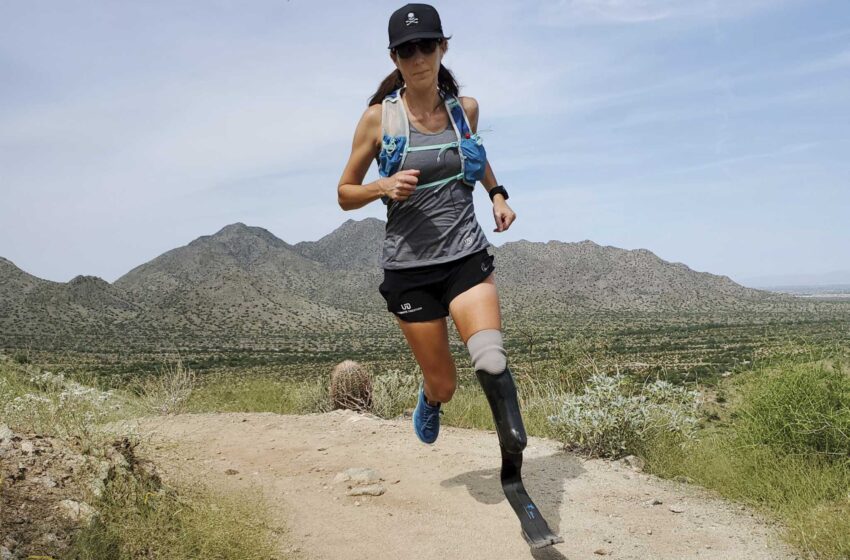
[411, 19]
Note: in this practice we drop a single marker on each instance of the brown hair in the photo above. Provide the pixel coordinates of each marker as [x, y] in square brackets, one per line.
[446, 83]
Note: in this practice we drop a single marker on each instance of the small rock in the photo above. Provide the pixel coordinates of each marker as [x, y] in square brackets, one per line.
[49, 539]
[97, 488]
[653, 502]
[104, 471]
[76, 511]
[6, 433]
[27, 447]
[231, 471]
[634, 462]
[676, 508]
[358, 475]
[601, 552]
[244, 419]
[370, 490]
[356, 503]
[321, 449]
[649, 531]
[47, 482]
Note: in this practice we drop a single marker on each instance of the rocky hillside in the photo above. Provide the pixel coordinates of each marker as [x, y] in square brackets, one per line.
[355, 245]
[244, 284]
[556, 277]
[244, 279]
[34, 308]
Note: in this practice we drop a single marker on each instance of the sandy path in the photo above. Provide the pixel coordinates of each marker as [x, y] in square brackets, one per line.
[444, 501]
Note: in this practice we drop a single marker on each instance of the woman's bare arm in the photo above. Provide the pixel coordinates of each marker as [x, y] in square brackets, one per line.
[351, 193]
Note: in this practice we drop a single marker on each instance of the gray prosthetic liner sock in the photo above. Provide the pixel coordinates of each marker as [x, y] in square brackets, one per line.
[487, 352]
[491, 369]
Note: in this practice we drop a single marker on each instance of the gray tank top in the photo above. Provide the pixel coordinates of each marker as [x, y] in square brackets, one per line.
[436, 224]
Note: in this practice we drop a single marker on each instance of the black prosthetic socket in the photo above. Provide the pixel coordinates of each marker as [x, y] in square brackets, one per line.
[501, 394]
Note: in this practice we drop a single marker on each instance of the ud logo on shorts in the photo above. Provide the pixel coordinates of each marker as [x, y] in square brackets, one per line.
[406, 308]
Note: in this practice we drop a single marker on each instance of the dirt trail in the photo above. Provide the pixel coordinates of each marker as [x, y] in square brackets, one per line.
[445, 501]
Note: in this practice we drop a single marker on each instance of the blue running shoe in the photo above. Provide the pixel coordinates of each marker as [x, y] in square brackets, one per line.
[426, 419]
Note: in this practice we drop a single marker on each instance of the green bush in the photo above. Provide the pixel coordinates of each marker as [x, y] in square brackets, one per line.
[786, 450]
[614, 418]
[801, 409]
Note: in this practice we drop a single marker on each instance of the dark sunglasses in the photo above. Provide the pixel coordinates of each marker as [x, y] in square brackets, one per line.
[425, 46]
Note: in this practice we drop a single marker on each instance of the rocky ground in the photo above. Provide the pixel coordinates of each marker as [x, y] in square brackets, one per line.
[353, 486]
[46, 487]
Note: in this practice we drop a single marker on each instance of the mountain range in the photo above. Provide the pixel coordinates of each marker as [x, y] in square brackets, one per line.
[242, 285]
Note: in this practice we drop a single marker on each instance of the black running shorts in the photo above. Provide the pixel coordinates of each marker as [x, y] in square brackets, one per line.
[423, 293]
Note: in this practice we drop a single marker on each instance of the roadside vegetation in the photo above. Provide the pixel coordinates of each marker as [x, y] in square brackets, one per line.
[782, 445]
[135, 514]
[772, 433]
[759, 413]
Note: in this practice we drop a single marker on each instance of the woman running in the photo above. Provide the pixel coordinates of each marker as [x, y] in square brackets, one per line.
[435, 260]
[434, 257]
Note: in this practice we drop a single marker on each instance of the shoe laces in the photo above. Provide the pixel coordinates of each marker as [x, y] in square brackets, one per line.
[433, 419]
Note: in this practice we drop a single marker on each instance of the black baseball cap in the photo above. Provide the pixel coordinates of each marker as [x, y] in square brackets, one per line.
[414, 21]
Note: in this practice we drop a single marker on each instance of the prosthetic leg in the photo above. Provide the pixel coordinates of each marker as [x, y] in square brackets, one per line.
[501, 394]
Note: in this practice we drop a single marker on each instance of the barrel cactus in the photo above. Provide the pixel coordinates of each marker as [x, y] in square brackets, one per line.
[351, 387]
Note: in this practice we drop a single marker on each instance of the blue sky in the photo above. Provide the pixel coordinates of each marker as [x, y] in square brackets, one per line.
[714, 133]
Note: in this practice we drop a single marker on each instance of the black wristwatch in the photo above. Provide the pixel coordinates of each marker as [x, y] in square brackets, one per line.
[498, 189]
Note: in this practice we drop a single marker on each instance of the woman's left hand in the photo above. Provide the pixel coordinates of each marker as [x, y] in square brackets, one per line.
[503, 214]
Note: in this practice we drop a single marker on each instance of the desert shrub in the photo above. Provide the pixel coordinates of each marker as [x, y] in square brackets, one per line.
[45, 402]
[804, 409]
[612, 417]
[784, 450]
[314, 396]
[393, 391]
[168, 391]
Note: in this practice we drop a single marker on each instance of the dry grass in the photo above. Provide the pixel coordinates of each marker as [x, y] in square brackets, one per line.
[139, 517]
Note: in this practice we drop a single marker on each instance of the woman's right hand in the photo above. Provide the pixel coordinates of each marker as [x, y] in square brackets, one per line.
[401, 185]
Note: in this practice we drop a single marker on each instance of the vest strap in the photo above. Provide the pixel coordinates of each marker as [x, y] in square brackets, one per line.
[440, 182]
[441, 147]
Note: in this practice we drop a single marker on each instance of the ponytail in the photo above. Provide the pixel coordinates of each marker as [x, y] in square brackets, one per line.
[446, 83]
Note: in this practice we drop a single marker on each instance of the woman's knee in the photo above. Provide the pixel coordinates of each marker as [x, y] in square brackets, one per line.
[441, 388]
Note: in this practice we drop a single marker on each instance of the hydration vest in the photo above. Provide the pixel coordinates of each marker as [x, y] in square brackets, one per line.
[395, 145]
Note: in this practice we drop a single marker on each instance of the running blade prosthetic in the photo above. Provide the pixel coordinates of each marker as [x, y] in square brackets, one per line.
[501, 393]
[535, 530]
